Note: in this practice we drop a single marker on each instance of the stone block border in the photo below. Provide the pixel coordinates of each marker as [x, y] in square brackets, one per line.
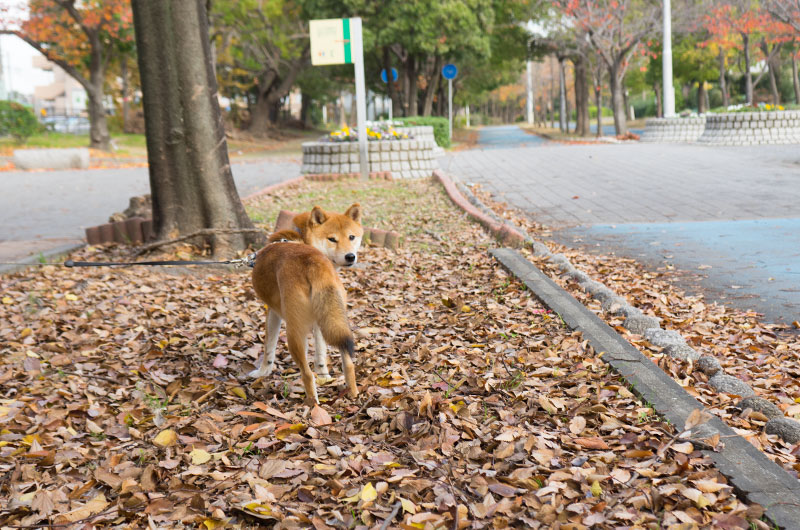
[751, 472]
[52, 158]
[735, 128]
[411, 158]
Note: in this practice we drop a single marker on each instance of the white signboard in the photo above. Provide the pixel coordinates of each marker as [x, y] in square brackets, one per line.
[330, 41]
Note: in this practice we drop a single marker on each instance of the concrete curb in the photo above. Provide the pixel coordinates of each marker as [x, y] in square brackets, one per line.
[635, 321]
[272, 187]
[49, 255]
[754, 475]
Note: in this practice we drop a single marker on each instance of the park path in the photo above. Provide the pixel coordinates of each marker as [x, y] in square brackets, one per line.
[729, 214]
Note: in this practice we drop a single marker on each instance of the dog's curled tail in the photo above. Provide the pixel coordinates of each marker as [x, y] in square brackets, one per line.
[331, 316]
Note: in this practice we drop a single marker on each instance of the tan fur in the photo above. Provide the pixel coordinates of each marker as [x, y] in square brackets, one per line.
[336, 235]
[299, 285]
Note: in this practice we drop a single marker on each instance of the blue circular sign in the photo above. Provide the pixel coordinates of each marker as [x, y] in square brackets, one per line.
[449, 71]
[394, 75]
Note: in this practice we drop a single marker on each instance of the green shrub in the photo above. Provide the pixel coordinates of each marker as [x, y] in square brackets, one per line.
[17, 121]
[441, 129]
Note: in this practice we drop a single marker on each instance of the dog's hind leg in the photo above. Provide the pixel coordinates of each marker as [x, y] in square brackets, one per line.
[272, 331]
[320, 353]
[298, 344]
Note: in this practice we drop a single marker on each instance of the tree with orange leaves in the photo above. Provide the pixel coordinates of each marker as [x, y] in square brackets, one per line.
[786, 11]
[80, 37]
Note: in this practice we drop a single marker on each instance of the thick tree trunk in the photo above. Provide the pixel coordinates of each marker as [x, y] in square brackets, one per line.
[774, 73]
[723, 83]
[190, 175]
[433, 85]
[99, 138]
[126, 118]
[748, 76]
[615, 81]
[795, 79]
[598, 101]
[701, 97]
[305, 110]
[581, 97]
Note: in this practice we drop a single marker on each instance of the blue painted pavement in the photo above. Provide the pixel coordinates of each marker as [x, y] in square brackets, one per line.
[507, 136]
[752, 263]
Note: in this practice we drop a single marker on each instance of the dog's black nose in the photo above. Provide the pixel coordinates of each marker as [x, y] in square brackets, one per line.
[350, 258]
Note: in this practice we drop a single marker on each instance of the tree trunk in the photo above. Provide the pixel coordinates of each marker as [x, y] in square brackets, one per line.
[433, 84]
[404, 91]
[615, 81]
[701, 97]
[748, 77]
[795, 79]
[562, 97]
[387, 65]
[99, 138]
[305, 111]
[190, 174]
[659, 106]
[126, 118]
[411, 73]
[598, 101]
[581, 97]
[723, 84]
[774, 73]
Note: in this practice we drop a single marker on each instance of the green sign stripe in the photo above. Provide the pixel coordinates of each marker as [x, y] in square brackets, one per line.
[347, 53]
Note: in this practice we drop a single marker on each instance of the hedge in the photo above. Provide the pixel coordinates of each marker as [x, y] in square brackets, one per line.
[441, 129]
[17, 121]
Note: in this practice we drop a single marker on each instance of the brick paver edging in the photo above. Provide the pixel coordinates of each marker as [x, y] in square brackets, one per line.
[507, 234]
[749, 470]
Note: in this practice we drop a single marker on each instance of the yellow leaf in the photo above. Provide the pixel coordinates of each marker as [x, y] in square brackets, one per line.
[200, 456]
[466, 309]
[238, 392]
[368, 493]
[596, 489]
[30, 438]
[166, 438]
[263, 510]
[282, 432]
[8, 300]
[71, 297]
[455, 407]
[408, 506]
[25, 333]
[213, 524]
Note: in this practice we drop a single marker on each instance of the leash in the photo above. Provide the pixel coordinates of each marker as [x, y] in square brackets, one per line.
[250, 261]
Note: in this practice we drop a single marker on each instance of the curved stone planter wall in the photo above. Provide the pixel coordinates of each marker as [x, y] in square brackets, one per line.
[752, 128]
[413, 158]
[673, 129]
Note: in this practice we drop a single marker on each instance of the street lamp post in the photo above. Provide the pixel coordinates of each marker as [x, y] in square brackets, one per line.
[666, 63]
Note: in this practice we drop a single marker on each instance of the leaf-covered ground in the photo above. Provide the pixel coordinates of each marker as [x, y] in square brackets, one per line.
[766, 356]
[123, 404]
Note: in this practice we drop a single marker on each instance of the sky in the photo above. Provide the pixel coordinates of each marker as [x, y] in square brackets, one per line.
[18, 71]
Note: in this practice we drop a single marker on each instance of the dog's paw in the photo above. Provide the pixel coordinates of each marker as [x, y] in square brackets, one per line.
[260, 373]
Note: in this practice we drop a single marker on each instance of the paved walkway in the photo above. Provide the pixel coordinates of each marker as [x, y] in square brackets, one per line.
[686, 205]
[42, 209]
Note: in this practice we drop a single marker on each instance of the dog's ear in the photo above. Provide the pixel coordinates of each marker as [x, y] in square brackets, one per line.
[317, 216]
[354, 212]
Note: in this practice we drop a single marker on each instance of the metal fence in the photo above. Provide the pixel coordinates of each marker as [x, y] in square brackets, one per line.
[66, 123]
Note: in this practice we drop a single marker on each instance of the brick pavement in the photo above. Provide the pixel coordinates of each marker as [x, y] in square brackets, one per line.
[630, 183]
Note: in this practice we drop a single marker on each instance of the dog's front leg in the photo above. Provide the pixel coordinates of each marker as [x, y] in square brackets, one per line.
[272, 331]
[320, 353]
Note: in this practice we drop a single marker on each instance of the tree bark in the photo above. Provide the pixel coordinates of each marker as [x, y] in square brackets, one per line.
[433, 85]
[581, 97]
[411, 73]
[774, 72]
[190, 174]
[795, 79]
[387, 65]
[615, 81]
[748, 77]
[701, 97]
[598, 101]
[305, 111]
[723, 83]
[562, 97]
[126, 118]
[659, 106]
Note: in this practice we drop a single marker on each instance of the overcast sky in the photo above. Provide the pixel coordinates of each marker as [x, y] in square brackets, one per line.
[18, 71]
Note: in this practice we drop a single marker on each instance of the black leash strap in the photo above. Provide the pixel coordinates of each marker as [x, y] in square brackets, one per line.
[249, 261]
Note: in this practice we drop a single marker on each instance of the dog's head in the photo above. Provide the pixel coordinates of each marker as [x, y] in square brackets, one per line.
[336, 235]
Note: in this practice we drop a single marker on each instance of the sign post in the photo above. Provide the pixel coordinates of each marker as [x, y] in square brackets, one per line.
[449, 72]
[339, 41]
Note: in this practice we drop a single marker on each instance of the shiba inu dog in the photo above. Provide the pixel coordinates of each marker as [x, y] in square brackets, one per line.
[299, 284]
[338, 236]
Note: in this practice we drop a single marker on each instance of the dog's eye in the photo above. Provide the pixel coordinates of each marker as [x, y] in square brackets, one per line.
[352, 238]
[332, 239]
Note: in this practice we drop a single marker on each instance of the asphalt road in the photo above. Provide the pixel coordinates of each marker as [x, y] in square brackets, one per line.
[728, 216]
[61, 204]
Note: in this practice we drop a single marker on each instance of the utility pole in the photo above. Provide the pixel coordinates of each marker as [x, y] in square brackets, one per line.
[666, 63]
